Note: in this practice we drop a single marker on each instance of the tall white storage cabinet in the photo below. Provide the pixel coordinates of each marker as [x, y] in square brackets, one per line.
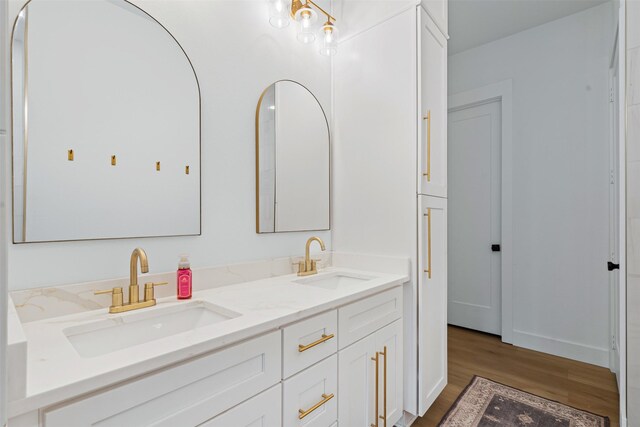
[432, 211]
[390, 126]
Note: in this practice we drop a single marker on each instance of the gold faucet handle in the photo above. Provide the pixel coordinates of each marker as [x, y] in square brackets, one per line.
[300, 265]
[148, 290]
[116, 296]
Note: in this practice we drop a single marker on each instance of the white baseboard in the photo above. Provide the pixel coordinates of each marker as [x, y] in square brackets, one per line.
[570, 350]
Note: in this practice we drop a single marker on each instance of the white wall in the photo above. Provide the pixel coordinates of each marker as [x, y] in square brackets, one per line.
[633, 211]
[236, 54]
[560, 177]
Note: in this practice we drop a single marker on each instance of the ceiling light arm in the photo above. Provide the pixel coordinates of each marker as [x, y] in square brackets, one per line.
[297, 4]
[329, 17]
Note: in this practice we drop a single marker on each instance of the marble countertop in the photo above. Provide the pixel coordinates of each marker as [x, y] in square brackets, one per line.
[56, 372]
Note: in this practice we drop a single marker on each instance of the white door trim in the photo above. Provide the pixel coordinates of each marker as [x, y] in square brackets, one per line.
[614, 206]
[503, 91]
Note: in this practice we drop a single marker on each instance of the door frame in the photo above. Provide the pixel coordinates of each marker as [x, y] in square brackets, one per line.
[500, 91]
[614, 211]
[622, 171]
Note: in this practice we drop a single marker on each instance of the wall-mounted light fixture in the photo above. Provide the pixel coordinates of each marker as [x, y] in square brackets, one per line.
[282, 11]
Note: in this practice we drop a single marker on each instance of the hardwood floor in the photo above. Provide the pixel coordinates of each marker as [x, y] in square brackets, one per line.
[576, 384]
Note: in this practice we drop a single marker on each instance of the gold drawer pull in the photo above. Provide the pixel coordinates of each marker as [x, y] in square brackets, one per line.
[325, 399]
[377, 361]
[428, 270]
[324, 338]
[428, 172]
[384, 390]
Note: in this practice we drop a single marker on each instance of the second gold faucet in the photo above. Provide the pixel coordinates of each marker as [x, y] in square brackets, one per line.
[309, 266]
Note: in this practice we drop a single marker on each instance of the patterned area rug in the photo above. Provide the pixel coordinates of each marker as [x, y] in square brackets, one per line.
[485, 403]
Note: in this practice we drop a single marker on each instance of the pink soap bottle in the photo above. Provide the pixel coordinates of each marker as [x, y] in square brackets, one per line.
[184, 278]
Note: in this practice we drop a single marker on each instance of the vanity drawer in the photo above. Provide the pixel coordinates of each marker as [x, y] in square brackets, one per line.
[313, 391]
[263, 410]
[357, 320]
[309, 341]
[186, 395]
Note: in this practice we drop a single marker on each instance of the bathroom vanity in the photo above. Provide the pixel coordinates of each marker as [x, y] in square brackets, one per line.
[284, 350]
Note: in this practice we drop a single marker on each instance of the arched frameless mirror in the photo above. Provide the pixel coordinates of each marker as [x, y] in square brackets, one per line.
[106, 124]
[292, 160]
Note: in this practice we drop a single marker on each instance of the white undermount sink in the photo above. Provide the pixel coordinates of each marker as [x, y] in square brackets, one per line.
[135, 328]
[334, 280]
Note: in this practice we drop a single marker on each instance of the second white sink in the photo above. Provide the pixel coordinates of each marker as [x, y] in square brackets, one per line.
[123, 331]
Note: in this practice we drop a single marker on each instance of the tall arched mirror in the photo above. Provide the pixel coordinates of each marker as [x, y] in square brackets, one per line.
[106, 124]
[292, 160]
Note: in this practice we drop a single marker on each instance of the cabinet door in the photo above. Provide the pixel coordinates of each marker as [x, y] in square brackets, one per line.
[388, 343]
[310, 397]
[356, 383]
[432, 300]
[263, 410]
[186, 395]
[432, 147]
[438, 10]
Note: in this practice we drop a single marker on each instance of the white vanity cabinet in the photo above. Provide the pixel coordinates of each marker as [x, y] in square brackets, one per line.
[432, 123]
[296, 376]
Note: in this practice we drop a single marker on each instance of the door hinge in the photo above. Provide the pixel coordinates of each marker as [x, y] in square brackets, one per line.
[610, 94]
[611, 266]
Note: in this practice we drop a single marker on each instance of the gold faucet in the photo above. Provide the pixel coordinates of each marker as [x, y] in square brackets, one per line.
[309, 266]
[134, 303]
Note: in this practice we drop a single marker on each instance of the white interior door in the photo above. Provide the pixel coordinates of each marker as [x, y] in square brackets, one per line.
[474, 216]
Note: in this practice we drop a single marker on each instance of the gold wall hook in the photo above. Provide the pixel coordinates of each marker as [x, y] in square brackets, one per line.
[113, 160]
[158, 166]
[186, 169]
[70, 155]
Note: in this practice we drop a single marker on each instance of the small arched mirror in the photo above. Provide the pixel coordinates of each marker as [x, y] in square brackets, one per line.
[292, 160]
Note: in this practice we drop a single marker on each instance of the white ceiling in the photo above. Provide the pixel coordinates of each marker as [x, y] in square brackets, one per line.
[476, 22]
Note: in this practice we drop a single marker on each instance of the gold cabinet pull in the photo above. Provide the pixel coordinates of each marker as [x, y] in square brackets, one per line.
[428, 119]
[377, 361]
[325, 398]
[384, 390]
[428, 270]
[324, 338]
